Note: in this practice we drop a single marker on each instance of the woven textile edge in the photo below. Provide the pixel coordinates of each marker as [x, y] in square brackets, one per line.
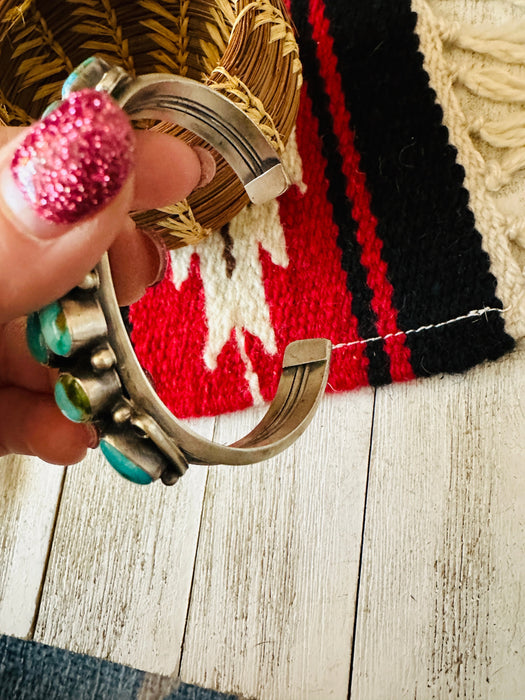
[491, 223]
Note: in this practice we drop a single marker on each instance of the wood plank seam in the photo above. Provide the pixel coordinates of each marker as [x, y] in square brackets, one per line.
[47, 559]
[361, 549]
[190, 595]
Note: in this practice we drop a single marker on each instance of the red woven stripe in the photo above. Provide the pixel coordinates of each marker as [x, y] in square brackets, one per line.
[310, 298]
[169, 333]
[382, 302]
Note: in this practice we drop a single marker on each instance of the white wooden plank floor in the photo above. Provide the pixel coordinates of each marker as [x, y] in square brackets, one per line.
[382, 556]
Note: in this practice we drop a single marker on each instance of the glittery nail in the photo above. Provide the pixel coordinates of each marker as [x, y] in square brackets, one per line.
[76, 159]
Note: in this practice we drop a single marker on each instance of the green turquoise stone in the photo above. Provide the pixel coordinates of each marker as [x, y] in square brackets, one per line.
[72, 400]
[54, 328]
[35, 339]
[124, 465]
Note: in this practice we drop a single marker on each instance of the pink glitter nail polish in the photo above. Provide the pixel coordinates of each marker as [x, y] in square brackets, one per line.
[76, 159]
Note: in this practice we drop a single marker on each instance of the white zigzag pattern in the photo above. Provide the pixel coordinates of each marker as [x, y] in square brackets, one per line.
[238, 303]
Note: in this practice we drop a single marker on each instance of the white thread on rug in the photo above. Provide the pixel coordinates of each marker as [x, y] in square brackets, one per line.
[490, 221]
[477, 313]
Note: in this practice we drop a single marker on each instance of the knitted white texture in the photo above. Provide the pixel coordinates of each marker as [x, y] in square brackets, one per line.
[495, 83]
[505, 42]
[500, 81]
[495, 23]
[503, 133]
[500, 173]
[491, 221]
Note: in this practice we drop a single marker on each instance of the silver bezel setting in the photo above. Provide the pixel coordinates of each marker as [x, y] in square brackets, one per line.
[126, 409]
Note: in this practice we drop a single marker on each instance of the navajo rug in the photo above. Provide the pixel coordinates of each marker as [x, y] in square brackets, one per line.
[391, 241]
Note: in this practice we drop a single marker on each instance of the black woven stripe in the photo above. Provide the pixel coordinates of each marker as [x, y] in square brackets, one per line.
[379, 363]
[434, 255]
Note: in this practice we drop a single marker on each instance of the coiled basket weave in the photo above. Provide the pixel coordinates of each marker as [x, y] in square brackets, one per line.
[245, 50]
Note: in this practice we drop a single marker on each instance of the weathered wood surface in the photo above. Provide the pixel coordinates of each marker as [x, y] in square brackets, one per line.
[121, 566]
[273, 600]
[248, 579]
[439, 609]
[29, 496]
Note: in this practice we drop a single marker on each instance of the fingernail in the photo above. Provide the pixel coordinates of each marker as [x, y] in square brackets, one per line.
[208, 166]
[161, 251]
[93, 436]
[71, 163]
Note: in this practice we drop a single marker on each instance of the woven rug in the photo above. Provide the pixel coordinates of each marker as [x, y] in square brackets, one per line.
[31, 671]
[393, 241]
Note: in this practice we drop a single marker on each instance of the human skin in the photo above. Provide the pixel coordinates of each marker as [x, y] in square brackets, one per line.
[41, 260]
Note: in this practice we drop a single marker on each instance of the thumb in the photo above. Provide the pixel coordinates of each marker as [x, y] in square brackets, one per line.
[65, 193]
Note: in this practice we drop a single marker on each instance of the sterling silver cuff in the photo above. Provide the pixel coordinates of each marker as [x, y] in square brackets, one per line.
[83, 334]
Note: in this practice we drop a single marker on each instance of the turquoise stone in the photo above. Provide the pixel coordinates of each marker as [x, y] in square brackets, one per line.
[50, 108]
[124, 465]
[86, 75]
[35, 339]
[54, 329]
[69, 82]
[72, 400]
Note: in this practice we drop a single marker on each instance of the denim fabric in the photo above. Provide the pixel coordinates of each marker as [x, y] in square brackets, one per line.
[31, 671]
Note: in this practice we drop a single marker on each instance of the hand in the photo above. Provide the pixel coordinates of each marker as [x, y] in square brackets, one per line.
[50, 239]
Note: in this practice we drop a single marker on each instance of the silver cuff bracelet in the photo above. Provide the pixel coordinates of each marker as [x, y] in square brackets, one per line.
[83, 334]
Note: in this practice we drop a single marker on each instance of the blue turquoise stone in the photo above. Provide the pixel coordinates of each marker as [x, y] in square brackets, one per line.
[51, 108]
[72, 400]
[68, 83]
[54, 329]
[87, 74]
[124, 465]
[35, 339]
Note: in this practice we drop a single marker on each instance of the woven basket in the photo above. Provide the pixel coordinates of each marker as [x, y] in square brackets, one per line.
[245, 50]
